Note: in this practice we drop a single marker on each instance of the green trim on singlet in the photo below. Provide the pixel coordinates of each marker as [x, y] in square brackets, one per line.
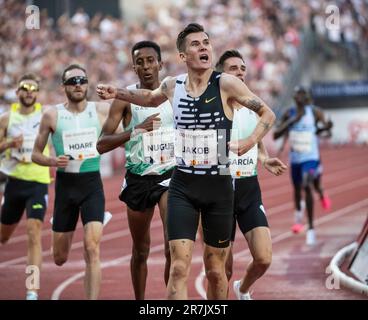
[66, 121]
[134, 147]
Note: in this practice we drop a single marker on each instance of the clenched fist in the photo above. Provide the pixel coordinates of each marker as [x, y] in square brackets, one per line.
[106, 91]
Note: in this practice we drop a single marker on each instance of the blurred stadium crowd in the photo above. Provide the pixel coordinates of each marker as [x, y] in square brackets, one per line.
[267, 33]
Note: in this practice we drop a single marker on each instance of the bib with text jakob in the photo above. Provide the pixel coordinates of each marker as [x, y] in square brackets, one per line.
[301, 141]
[80, 144]
[158, 146]
[196, 147]
[24, 153]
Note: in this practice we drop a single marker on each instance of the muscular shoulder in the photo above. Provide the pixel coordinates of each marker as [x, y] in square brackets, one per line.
[169, 81]
[167, 85]
[227, 81]
[50, 114]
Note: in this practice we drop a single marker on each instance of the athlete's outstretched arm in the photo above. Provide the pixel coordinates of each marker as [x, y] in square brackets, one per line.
[41, 141]
[237, 90]
[141, 97]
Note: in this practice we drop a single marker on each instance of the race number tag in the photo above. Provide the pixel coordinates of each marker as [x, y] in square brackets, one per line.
[158, 146]
[244, 165]
[24, 153]
[301, 141]
[196, 147]
[80, 144]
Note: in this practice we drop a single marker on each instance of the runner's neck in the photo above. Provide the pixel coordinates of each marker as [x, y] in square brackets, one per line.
[26, 110]
[153, 86]
[197, 81]
[78, 107]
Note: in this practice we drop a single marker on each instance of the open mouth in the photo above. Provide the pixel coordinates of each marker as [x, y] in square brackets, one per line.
[147, 76]
[204, 57]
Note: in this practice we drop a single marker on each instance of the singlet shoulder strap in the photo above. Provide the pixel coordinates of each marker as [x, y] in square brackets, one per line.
[180, 79]
[14, 107]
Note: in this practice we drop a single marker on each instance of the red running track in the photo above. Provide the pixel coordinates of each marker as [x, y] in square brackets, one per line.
[297, 271]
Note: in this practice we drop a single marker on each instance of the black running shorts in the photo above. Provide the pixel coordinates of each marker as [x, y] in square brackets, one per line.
[212, 196]
[248, 207]
[143, 192]
[74, 193]
[20, 195]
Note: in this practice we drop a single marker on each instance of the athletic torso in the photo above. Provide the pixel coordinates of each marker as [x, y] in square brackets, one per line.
[302, 137]
[150, 153]
[17, 162]
[244, 123]
[203, 130]
[76, 136]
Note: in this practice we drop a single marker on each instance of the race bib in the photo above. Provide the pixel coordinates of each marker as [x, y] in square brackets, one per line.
[80, 144]
[244, 165]
[301, 141]
[24, 153]
[158, 146]
[196, 147]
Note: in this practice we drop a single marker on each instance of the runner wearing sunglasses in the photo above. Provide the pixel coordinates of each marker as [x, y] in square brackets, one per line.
[26, 186]
[75, 127]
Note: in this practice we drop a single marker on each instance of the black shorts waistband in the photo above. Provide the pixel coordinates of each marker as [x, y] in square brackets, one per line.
[247, 179]
[164, 176]
[78, 178]
[77, 174]
[210, 177]
[24, 182]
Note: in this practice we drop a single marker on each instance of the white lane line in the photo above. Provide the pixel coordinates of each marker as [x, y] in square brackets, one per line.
[270, 212]
[268, 178]
[62, 286]
[276, 191]
[79, 244]
[331, 192]
[330, 177]
[125, 232]
[199, 282]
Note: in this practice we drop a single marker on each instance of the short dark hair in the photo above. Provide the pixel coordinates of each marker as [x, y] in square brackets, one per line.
[190, 28]
[301, 89]
[226, 55]
[72, 67]
[147, 44]
[29, 76]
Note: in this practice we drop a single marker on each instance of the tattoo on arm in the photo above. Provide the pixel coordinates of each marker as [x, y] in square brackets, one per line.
[254, 105]
[265, 125]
